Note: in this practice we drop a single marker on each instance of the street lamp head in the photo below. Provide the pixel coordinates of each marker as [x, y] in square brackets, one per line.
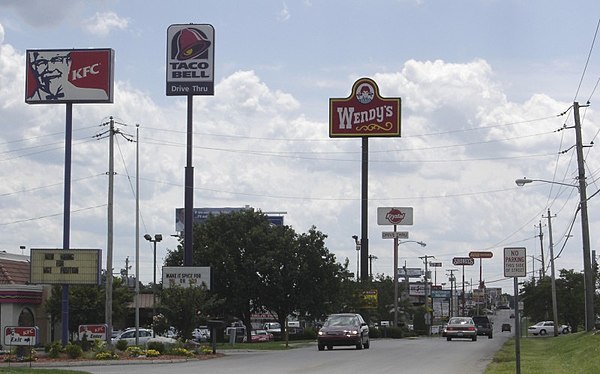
[522, 182]
[158, 237]
[148, 237]
[421, 244]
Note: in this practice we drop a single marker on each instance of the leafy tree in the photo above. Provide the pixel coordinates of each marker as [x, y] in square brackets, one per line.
[87, 303]
[186, 308]
[570, 298]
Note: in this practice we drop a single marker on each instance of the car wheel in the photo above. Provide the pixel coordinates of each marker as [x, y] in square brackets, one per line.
[367, 345]
[489, 336]
[321, 347]
[329, 347]
[565, 331]
[448, 338]
[475, 338]
[359, 344]
[542, 332]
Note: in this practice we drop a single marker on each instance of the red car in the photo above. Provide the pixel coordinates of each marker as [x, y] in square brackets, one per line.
[257, 336]
[344, 329]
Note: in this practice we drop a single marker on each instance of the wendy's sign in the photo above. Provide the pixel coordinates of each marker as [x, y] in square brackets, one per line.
[364, 113]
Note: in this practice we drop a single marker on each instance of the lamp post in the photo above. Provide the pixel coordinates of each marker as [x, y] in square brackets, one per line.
[396, 243]
[588, 276]
[157, 238]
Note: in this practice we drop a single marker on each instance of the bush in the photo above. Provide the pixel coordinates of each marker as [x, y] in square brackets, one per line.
[396, 332]
[310, 333]
[54, 349]
[152, 353]
[178, 351]
[73, 350]
[374, 333]
[134, 351]
[121, 345]
[106, 356]
[157, 346]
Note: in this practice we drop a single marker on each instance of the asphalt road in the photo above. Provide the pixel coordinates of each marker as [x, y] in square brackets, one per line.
[414, 355]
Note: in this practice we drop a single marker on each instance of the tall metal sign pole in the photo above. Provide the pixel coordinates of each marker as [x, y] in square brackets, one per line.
[515, 265]
[190, 72]
[462, 261]
[364, 114]
[68, 76]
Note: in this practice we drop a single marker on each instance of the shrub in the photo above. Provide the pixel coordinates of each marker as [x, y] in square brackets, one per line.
[152, 353]
[310, 333]
[134, 351]
[106, 356]
[178, 351]
[374, 332]
[121, 345]
[158, 346]
[73, 350]
[396, 332]
[205, 349]
[53, 349]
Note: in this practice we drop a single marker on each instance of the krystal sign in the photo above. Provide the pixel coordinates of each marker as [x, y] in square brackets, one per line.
[395, 216]
[70, 75]
[190, 60]
[364, 113]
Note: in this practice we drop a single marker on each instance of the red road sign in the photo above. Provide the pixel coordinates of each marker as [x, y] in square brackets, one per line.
[480, 254]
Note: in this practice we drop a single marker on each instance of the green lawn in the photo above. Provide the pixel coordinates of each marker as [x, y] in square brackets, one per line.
[573, 354]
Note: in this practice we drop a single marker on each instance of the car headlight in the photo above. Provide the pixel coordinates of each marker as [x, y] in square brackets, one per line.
[351, 332]
[320, 332]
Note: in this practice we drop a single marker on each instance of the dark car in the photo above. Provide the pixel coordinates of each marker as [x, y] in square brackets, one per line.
[506, 327]
[484, 326]
[344, 329]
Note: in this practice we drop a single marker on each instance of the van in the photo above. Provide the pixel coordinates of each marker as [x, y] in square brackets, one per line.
[484, 326]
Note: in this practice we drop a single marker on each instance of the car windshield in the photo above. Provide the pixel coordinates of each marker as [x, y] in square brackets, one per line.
[459, 321]
[341, 321]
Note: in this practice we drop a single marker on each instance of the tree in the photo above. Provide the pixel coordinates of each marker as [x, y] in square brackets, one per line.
[86, 303]
[186, 308]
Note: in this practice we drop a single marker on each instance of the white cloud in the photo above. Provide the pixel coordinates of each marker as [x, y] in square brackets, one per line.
[1, 34]
[284, 14]
[102, 24]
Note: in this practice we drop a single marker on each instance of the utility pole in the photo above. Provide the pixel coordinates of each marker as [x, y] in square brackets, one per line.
[590, 289]
[452, 279]
[371, 258]
[428, 315]
[541, 235]
[552, 276]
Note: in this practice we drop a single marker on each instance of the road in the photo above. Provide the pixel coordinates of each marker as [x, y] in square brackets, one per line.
[418, 355]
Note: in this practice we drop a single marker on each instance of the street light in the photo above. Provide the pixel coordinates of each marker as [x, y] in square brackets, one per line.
[157, 238]
[396, 243]
[588, 276]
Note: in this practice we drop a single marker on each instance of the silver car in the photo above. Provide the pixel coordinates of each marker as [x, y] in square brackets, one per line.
[461, 327]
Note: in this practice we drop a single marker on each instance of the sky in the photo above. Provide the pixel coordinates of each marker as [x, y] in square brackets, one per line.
[485, 88]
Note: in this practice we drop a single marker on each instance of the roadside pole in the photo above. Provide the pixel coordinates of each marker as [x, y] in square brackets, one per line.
[515, 265]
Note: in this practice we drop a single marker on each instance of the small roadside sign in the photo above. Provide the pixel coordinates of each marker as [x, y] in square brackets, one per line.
[394, 234]
[481, 254]
[515, 263]
[18, 335]
[457, 261]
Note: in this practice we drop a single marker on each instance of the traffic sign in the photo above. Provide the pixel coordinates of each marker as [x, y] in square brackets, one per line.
[394, 234]
[479, 254]
[435, 264]
[515, 262]
[456, 261]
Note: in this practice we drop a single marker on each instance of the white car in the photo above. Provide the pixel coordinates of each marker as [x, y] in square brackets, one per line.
[129, 336]
[547, 327]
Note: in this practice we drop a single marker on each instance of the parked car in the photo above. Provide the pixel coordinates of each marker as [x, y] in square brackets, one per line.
[506, 327]
[201, 334]
[461, 327]
[257, 336]
[129, 336]
[546, 327]
[484, 326]
[344, 329]
[239, 331]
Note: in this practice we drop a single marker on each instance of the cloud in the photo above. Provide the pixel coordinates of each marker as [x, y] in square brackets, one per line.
[284, 14]
[43, 13]
[102, 24]
[1, 34]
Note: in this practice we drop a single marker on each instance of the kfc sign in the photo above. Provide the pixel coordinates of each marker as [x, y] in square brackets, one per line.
[75, 76]
[18, 335]
[364, 113]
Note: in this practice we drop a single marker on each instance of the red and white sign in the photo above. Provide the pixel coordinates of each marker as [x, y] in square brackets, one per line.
[18, 335]
[394, 216]
[93, 332]
[70, 75]
[364, 113]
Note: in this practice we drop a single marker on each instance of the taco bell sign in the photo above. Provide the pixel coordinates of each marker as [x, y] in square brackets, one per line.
[190, 60]
[55, 76]
[364, 113]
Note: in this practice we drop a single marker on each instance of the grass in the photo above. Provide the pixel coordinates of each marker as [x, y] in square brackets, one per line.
[573, 354]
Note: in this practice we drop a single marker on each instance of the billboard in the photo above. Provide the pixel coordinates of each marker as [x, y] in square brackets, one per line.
[394, 216]
[60, 266]
[186, 276]
[69, 76]
[364, 113]
[190, 60]
[20, 335]
[201, 214]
